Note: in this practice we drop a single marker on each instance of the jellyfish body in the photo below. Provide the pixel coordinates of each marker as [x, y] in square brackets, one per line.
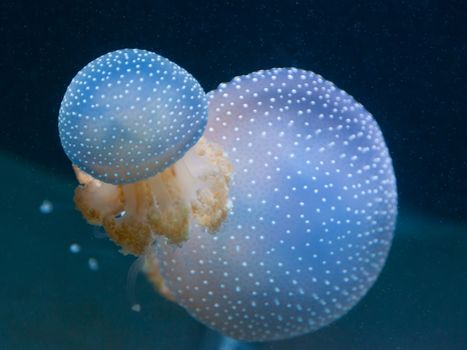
[314, 208]
[130, 114]
[131, 123]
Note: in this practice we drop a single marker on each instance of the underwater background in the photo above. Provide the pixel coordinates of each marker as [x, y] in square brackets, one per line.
[64, 286]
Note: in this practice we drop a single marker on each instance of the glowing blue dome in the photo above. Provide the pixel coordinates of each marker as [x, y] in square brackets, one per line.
[130, 114]
[314, 205]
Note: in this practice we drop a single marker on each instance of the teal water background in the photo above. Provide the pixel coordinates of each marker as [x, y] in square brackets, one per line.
[51, 299]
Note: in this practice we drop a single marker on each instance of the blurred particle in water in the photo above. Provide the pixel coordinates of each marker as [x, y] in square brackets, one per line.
[136, 307]
[46, 207]
[75, 248]
[93, 264]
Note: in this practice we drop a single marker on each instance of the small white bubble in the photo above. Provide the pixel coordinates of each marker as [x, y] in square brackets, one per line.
[75, 248]
[93, 264]
[136, 307]
[46, 207]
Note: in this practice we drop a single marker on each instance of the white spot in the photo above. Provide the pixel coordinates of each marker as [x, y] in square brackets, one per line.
[75, 248]
[93, 264]
[46, 207]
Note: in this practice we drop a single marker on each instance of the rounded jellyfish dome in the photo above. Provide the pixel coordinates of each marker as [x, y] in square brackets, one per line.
[130, 114]
[314, 205]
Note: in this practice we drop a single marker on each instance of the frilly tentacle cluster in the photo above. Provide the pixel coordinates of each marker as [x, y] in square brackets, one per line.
[192, 191]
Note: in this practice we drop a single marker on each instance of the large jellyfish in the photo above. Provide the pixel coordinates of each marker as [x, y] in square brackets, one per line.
[272, 224]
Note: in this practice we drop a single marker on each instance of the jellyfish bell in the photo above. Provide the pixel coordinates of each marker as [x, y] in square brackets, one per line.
[130, 114]
[314, 208]
[131, 123]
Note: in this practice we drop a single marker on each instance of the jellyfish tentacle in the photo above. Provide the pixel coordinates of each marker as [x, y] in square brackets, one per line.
[133, 272]
[151, 268]
[193, 190]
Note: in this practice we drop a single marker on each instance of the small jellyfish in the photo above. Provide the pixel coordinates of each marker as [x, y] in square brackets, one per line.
[266, 209]
[130, 114]
[131, 123]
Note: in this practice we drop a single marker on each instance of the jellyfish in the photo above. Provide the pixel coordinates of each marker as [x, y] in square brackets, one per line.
[274, 219]
[313, 210]
[131, 123]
